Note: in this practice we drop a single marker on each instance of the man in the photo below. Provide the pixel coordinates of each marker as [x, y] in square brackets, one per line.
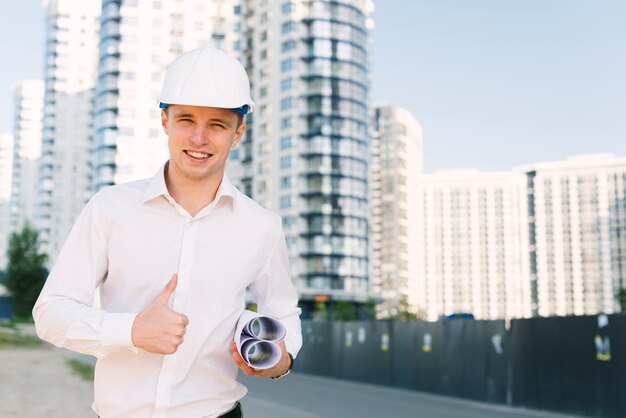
[172, 257]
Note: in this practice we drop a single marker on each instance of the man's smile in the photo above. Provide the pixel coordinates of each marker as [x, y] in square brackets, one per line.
[197, 155]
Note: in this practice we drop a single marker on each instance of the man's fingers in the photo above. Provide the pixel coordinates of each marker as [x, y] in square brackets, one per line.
[239, 361]
[165, 294]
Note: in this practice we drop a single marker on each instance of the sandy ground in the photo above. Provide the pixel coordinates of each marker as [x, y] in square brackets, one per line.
[38, 383]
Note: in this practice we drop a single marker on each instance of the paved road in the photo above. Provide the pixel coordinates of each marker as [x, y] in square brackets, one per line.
[304, 396]
[37, 383]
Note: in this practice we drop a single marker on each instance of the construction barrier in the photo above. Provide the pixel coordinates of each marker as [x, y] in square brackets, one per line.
[567, 364]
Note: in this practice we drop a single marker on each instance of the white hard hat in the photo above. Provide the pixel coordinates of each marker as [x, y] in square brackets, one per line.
[207, 77]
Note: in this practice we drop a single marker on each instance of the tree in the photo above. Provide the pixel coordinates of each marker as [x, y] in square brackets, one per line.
[621, 299]
[320, 312]
[405, 313]
[368, 310]
[26, 273]
[344, 311]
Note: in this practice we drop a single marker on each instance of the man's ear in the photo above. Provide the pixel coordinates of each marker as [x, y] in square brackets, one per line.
[239, 134]
[164, 121]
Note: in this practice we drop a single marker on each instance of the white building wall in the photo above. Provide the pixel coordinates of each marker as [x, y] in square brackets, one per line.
[72, 28]
[6, 174]
[28, 115]
[473, 247]
[396, 211]
[580, 223]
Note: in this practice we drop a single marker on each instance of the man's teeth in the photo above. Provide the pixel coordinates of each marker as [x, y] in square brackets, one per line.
[198, 154]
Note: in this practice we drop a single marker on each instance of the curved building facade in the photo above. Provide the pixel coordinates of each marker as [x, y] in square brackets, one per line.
[334, 148]
[306, 155]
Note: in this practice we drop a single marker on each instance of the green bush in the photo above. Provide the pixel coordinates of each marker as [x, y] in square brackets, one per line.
[26, 272]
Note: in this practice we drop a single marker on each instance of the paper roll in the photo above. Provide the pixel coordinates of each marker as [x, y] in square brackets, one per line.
[256, 337]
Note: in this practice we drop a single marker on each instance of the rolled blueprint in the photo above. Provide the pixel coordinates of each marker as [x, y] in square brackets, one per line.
[256, 337]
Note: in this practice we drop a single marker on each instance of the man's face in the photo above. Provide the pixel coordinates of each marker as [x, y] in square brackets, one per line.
[200, 139]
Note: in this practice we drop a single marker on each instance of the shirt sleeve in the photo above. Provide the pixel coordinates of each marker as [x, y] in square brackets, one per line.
[276, 296]
[64, 313]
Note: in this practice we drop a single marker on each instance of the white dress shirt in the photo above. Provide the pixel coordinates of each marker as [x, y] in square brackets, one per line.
[128, 241]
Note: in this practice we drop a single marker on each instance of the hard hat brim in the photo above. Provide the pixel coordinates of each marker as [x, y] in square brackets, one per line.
[243, 110]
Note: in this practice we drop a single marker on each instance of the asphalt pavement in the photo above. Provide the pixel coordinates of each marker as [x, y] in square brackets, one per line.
[306, 396]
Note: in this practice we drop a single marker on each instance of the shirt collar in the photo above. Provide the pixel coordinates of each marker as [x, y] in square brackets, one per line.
[157, 187]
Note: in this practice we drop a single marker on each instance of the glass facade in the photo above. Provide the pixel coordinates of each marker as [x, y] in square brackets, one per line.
[107, 93]
[334, 152]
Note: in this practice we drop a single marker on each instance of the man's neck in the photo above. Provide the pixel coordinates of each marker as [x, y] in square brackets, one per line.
[192, 195]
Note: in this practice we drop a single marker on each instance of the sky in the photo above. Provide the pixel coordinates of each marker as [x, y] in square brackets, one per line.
[494, 84]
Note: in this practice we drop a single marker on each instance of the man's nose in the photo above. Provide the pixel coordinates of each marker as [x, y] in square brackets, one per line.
[200, 135]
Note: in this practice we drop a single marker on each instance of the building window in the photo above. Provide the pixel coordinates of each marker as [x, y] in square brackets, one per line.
[264, 35]
[285, 182]
[285, 142]
[288, 222]
[285, 85]
[264, 148]
[286, 103]
[237, 10]
[285, 202]
[286, 8]
[286, 65]
[264, 167]
[285, 162]
[285, 123]
[263, 91]
[289, 45]
[237, 45]
[263, 54]
[234, 154]
[287, 27]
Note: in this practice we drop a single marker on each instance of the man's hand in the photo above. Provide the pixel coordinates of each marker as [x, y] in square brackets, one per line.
[158, 329]
[277, 370]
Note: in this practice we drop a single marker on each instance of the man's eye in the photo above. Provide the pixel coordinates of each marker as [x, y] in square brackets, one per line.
[217, 125]
[186, 120]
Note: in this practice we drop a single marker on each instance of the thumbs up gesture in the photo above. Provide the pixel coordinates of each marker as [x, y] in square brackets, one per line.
[158, 329]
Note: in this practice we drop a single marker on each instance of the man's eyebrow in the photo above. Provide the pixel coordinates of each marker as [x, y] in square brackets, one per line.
[223, 121]
[184, 115]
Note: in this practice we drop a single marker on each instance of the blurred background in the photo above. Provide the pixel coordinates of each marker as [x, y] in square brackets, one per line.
[451, 177]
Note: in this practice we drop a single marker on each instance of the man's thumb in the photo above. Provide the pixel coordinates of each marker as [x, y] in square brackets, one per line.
[167, 291]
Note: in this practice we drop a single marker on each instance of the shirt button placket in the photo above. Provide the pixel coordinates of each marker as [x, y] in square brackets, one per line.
[168, 368]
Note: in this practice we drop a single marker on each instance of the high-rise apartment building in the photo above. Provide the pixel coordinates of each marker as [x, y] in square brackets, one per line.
[70, 74]
[306, 153]
[27, 124]
[396, 211]
[475, 254]
[6, 173]
[577, 234]
[138, 38]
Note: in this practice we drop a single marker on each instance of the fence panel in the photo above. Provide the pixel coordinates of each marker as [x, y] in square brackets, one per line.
[568, 364]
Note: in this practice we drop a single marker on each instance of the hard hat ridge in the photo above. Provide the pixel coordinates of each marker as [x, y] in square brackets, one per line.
[207, 77]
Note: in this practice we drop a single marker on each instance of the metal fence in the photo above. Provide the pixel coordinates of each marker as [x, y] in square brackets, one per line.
[567, 364]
